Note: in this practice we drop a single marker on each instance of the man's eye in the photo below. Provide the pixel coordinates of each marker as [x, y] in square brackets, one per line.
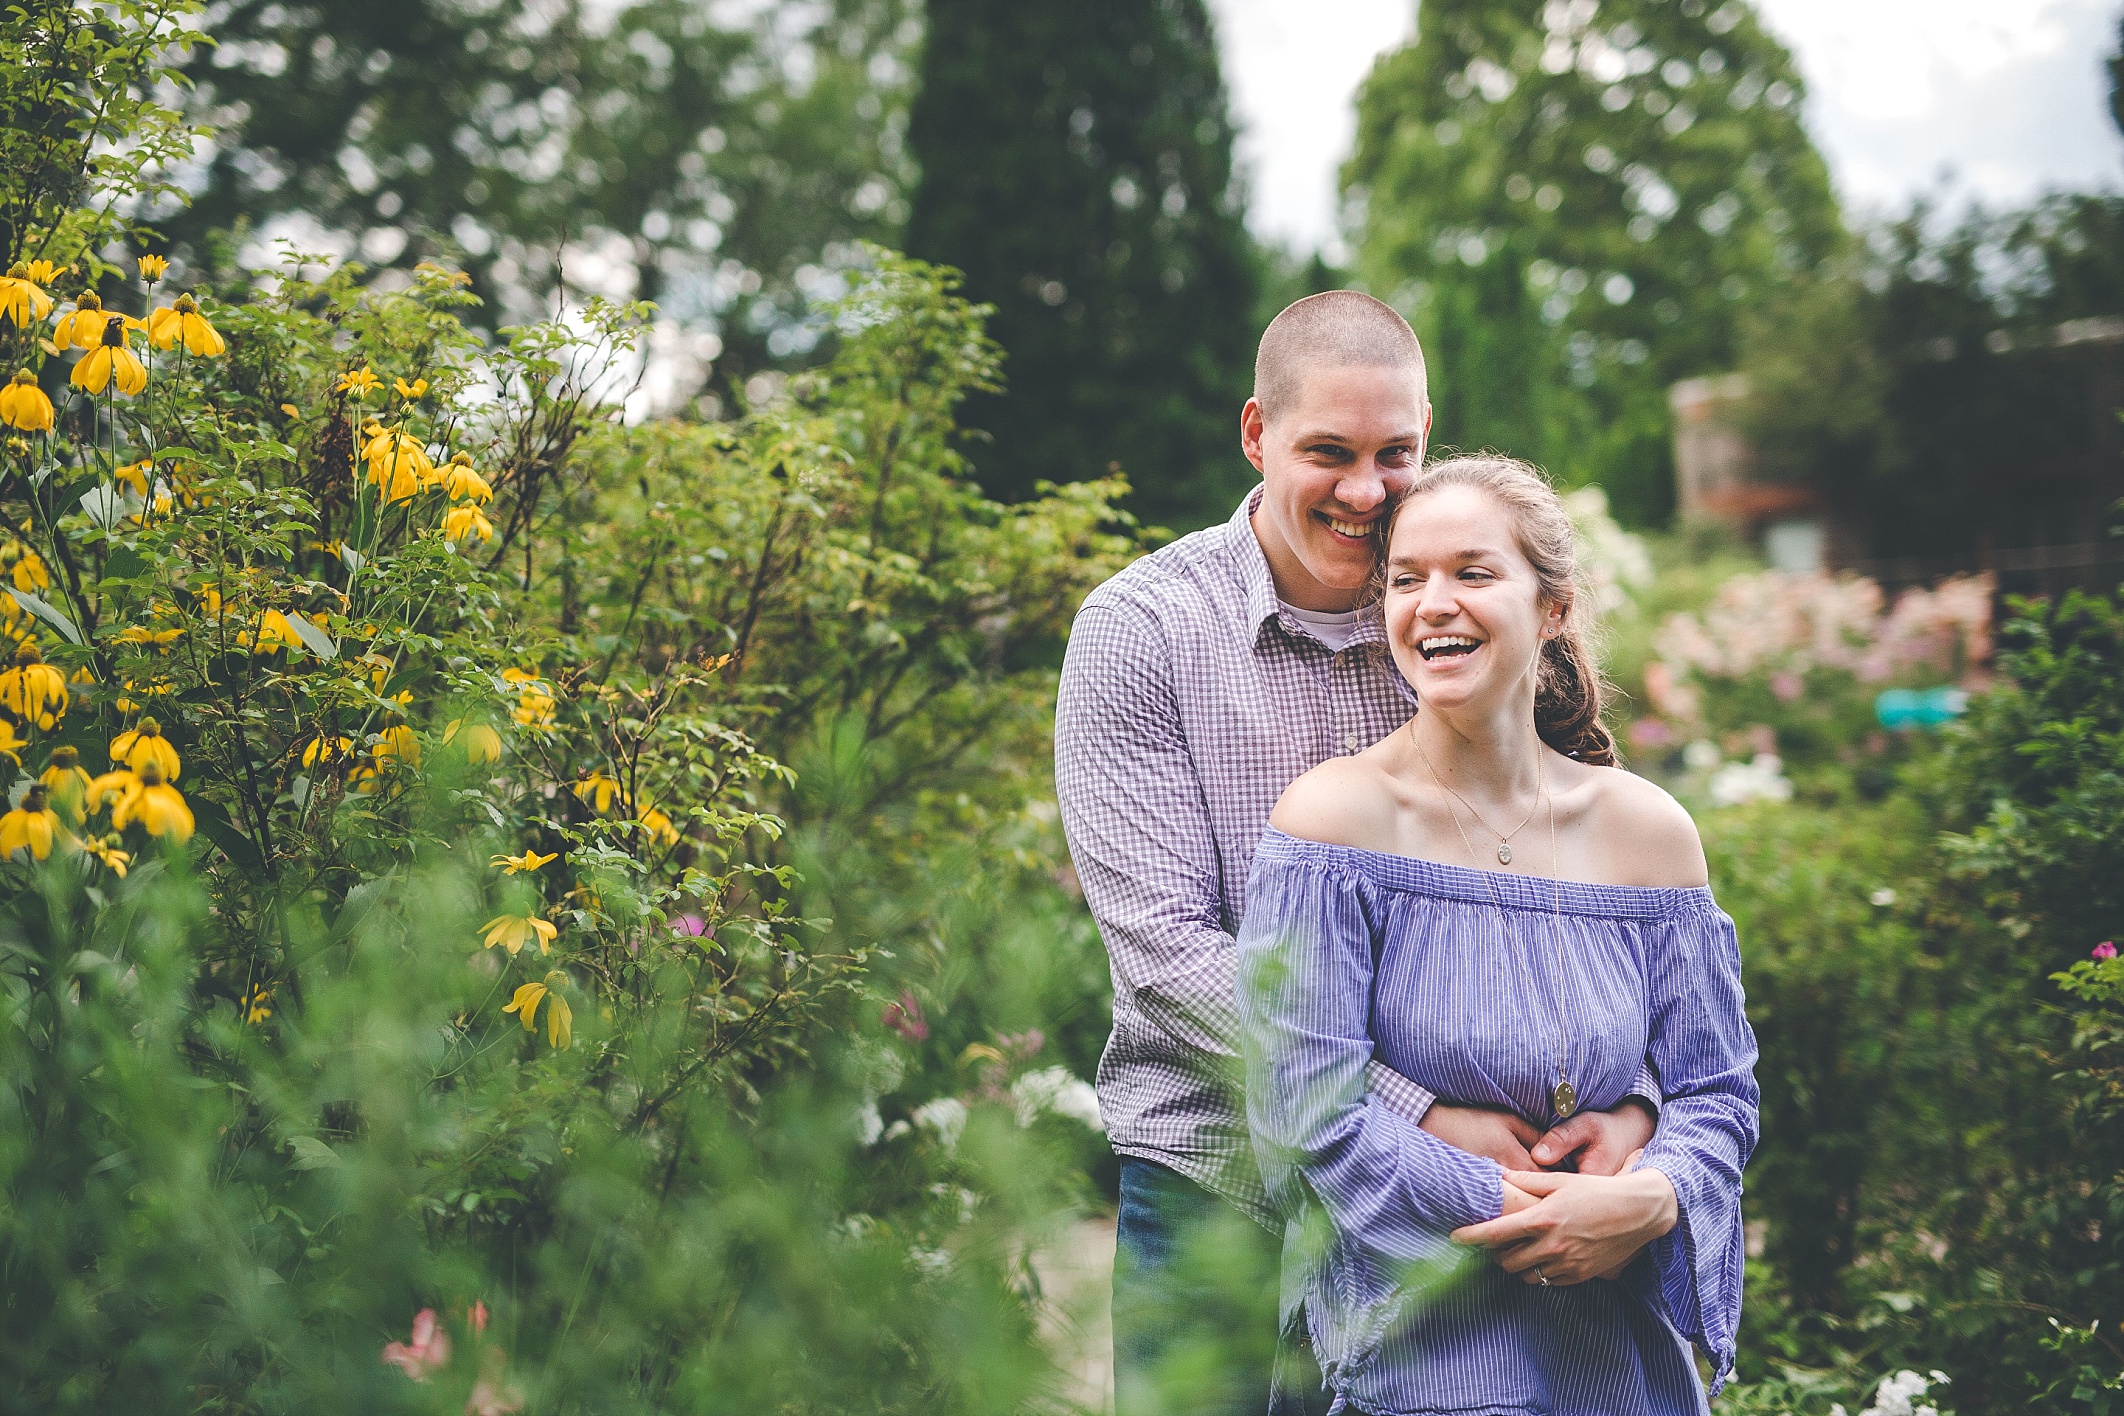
[1328, 450]
[1477, 575]
[1395, 456]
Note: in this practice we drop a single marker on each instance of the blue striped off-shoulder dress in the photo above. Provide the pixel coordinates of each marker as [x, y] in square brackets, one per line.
[1347, 954]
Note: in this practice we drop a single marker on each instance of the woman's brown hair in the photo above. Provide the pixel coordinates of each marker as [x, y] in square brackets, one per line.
[1570, 692]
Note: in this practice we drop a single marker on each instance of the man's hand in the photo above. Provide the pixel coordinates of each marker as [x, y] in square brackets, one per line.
[1500, 1135]
[1600, 1142]
[1579, 1227]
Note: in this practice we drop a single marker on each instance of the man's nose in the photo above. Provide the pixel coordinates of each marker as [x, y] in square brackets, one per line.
[1362, 489]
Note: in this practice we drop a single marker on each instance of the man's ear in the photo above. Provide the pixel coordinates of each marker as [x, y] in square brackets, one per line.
[1252, 428]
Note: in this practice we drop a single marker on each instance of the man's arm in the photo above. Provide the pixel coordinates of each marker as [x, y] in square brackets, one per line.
[1140, 836]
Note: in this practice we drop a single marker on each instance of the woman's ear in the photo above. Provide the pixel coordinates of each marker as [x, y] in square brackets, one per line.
[1552, 619]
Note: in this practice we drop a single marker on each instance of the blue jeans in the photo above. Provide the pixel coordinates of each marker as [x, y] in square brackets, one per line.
[1195, 1285]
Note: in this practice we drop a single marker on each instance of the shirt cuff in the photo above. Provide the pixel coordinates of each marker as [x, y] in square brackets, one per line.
[1647, 1086]
[1400, 1094]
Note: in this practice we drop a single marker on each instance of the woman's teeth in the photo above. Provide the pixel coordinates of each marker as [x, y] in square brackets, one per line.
[1446, 644]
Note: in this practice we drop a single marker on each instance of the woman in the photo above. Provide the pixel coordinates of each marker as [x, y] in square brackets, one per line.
[1485, 902]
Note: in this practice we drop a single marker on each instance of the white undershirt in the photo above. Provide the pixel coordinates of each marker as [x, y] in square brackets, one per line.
[1334, 628]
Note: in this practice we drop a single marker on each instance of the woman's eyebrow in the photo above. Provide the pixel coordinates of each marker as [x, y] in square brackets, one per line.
[1468, 555]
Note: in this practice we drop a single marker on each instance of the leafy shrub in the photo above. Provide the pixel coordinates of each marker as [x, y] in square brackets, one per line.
[435, 970]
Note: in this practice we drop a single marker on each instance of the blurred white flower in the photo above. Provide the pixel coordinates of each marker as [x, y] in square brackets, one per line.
[1898, 1395]
[1883, 897]
[946, 1116]
[1615, 560]
[1760, 779]
[869, 1125]
[1054, 1089]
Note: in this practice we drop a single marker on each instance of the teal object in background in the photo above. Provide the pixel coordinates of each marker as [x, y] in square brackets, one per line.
[1900, 708]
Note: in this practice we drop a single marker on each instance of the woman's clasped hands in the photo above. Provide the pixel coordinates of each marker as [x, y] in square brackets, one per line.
[1558, 1228]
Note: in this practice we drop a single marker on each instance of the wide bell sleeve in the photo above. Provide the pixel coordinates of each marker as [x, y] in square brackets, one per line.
[1705, 1053]
[1305, 986]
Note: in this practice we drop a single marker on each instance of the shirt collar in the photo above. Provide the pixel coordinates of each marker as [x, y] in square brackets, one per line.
[1262, 605]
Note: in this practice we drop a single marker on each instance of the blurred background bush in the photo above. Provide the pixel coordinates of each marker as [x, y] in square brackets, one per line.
[731, 641]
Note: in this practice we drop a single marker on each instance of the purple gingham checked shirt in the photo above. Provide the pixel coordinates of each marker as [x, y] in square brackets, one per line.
[1190, 698]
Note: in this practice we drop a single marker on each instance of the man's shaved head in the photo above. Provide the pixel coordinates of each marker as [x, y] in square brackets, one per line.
[1336, 329]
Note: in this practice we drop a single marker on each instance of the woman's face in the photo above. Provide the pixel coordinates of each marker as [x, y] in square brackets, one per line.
[1464, 609]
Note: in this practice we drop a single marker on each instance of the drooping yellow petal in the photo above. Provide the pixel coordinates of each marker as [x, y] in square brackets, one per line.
[23, 404]
[525, 1003]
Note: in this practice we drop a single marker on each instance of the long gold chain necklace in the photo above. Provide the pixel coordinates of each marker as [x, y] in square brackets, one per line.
[1563, 1097]
[1504, 839]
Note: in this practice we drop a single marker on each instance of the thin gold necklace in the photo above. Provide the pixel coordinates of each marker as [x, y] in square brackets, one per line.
[1563, 1097]
[1504, 839]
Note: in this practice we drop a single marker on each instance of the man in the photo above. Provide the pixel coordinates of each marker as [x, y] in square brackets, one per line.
[1198, 684]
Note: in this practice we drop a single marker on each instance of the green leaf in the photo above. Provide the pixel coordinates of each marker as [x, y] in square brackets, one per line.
[214, 824]
[124, 563]
[46, 611]
[312, 1154]
[313, 638]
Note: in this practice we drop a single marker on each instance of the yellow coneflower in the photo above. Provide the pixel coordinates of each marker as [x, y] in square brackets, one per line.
[399, 465]
[22, 299]
[462, 482]
[106, 851]
[83, 327]
[559, 1019]
[66, 784]
[600, 791]
[155, 805]
[23, 404]
[33, 690]
[183, 322]
[153, 268]
[25, 567]
[255, 1006]
[144, 744]
[147, 638]
[397, 746]
[45, 272]
[661, 830]
[483, 745]
[513, 932]
[111, 363]
[327, 750]
[159, 686]
[359, 382]
[118, 788]
[10, 745]
[135, 475]
[32, 825]
[466, 523]
[410, 392]
[530, 860]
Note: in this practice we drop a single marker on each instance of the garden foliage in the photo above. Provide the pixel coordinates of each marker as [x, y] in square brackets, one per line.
[411, 999]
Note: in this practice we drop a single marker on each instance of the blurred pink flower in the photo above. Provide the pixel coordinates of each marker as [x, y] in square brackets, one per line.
[493, 1399]
[905, 1017]
[2104, 950]
[476, 1315]
[1787, 685]
[690, 925]
[1651, 732]
[429, 1351]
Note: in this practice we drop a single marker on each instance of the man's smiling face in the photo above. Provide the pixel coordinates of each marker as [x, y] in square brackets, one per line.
[1352, 438]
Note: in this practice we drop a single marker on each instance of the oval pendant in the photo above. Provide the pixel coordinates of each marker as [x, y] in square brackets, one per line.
[1563, 1098]
[1504, 852]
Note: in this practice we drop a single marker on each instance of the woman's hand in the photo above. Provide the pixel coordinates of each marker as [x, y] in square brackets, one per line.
[1579, 1226]
[1503, 1136]
[1598, 1142]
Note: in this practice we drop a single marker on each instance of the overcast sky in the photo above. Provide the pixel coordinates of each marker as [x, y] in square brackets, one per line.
[2010, 95]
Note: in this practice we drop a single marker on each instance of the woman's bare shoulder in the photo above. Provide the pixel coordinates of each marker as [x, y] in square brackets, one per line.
[1345, 801]
[1649, 837]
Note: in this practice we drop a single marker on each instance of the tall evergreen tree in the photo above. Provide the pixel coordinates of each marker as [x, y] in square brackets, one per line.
[1576, 203]
[1076, 164]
